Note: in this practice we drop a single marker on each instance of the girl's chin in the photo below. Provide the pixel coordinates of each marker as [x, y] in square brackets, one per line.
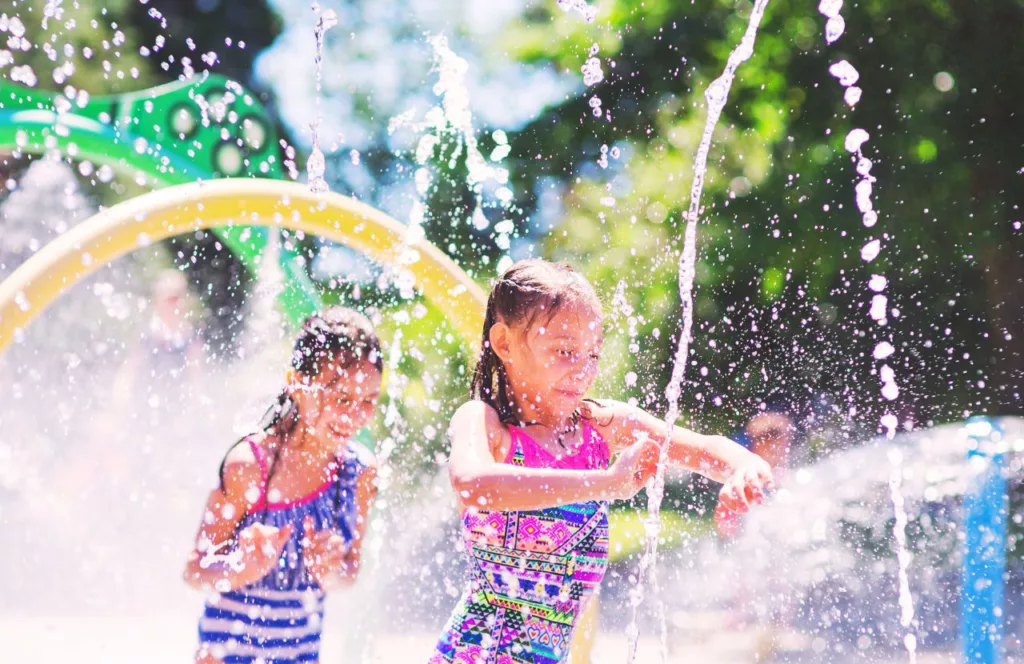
[337, 433]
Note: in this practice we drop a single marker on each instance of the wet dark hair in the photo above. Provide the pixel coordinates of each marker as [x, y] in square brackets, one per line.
[527, 291]
[337, 336]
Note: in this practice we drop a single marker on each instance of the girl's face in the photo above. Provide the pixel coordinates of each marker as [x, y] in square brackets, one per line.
[552, 363]
[339, 402]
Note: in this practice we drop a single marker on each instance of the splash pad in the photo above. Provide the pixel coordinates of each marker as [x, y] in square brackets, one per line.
[178, 133]
[230, 203]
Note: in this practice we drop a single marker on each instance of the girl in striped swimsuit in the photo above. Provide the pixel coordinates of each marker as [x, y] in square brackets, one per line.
[529, 465]
[287, 521]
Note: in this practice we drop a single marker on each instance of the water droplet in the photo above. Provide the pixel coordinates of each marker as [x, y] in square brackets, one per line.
[327, 20]
[580, 6]
[834, 28]
[500, 152]
[863, 193]
[870, 251]
[22, 301]
[855, 139]
[852, 95]
[845, 72]
[316, 167]
[23, 74]
[16, 27]
[883, 350]
[943, 81]
[592, 73]
[830, 8]
[879, 304]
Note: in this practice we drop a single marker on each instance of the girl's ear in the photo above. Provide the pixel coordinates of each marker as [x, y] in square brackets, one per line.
[299, 392]
[500, 337]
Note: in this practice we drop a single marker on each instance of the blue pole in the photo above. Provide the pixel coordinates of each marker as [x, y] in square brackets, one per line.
[986, 506]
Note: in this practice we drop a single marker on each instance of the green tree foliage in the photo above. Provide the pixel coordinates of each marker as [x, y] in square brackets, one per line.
[782, 298]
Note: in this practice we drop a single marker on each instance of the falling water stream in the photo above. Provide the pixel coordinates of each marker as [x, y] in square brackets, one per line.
[316, 165]
[847, 75]
[716, 96]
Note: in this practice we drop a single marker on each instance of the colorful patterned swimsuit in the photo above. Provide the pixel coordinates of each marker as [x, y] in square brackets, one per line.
[531, 572]
[277, 620]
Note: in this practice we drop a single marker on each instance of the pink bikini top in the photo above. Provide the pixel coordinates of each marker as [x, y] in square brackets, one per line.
[590, 454]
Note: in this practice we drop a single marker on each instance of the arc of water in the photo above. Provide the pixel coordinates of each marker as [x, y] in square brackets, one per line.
[716, 95]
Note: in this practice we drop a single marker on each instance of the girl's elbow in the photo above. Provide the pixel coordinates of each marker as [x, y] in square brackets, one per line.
[468, 489]
[464, 485]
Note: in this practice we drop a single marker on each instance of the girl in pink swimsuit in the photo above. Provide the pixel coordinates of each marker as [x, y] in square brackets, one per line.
[530, 467]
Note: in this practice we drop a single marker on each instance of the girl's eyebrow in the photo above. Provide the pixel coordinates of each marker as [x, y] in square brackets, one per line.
[572, 337]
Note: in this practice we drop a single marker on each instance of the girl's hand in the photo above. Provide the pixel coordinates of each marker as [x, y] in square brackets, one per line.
[324, 553]
[748, 485]
[633, 467]
[260, 546]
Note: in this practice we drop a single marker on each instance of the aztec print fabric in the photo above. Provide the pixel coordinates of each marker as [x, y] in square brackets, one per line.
[531, 572]
[277, 620]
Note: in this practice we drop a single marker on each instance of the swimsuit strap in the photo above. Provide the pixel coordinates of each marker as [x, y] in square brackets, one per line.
[595, 444]
[258, 453]
[516, 450]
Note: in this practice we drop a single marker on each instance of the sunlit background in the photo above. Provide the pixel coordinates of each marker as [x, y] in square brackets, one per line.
[859, 283]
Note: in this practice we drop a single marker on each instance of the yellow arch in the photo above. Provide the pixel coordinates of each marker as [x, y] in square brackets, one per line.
[190, 207]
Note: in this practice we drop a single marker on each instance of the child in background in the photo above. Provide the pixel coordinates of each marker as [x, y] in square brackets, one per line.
[287, 521]
[771, 437]
[530, 468]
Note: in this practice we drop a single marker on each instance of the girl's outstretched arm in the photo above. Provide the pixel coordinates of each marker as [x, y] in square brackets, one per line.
[478, 438]
[746, 476]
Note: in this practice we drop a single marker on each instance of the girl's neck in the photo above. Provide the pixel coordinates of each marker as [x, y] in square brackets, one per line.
[529, 414]
[298, 446]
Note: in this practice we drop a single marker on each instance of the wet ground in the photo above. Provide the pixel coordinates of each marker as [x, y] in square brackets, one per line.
[130, 640]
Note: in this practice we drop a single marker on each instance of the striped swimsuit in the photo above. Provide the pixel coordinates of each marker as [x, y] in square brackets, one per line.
[277, 620]
[531, 572]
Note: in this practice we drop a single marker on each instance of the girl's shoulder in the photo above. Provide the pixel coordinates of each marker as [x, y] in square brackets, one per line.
[614, 421]
[476, 414]
[244, 465]
[357, 457]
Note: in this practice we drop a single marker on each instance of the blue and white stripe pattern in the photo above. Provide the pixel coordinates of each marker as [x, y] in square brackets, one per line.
[278, 619]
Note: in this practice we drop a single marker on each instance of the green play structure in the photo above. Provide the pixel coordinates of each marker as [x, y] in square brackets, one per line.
[200, 129]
